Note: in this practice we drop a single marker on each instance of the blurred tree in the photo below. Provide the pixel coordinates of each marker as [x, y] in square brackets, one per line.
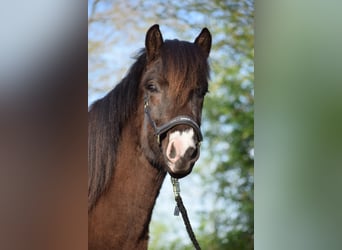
[228, 120]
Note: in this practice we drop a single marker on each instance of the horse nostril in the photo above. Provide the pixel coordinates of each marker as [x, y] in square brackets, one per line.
[191, 153]
[194, 154]
[172, 153]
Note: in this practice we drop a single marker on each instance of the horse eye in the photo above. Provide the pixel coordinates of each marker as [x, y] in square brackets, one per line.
[200, 92]
[151, 87]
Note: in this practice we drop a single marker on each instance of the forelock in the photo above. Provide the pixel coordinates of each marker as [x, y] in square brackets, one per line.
[184, 66]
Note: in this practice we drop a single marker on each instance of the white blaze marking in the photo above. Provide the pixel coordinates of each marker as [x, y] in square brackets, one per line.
[186, 139]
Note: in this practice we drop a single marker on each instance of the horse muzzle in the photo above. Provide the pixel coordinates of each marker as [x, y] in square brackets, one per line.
[183, 145]
[181, 152]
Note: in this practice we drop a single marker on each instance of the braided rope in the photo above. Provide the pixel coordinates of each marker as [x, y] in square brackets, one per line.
[187, 222]
[180, 206]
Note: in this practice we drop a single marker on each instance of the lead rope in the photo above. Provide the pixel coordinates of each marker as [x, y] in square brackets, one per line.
[180, 207]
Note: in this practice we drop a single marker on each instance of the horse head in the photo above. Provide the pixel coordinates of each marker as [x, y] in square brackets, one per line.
[172, 87]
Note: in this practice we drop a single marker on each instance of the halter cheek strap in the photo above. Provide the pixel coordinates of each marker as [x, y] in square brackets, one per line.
[179, 120]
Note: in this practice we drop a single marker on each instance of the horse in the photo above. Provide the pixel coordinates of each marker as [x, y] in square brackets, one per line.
[144, 128]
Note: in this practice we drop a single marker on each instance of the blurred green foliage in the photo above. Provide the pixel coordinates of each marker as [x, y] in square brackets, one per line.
[229, 112]
[298, 123]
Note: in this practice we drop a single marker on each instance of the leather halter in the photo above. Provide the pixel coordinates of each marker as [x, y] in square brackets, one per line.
[179, 120]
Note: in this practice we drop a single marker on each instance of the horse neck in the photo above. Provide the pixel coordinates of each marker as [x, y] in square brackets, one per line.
[122, 215]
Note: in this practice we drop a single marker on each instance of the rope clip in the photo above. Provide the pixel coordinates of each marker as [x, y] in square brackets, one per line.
[176, 191]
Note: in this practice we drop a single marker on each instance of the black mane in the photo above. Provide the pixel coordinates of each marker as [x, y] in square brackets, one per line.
[106, 119]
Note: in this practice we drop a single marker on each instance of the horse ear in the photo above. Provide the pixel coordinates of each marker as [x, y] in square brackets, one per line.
[204, 41]
[153, 42]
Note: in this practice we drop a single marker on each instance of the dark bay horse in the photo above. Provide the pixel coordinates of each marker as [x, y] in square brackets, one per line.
[147, 126]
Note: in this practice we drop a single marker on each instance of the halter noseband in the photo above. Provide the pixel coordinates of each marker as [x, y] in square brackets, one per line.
[179, 120]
